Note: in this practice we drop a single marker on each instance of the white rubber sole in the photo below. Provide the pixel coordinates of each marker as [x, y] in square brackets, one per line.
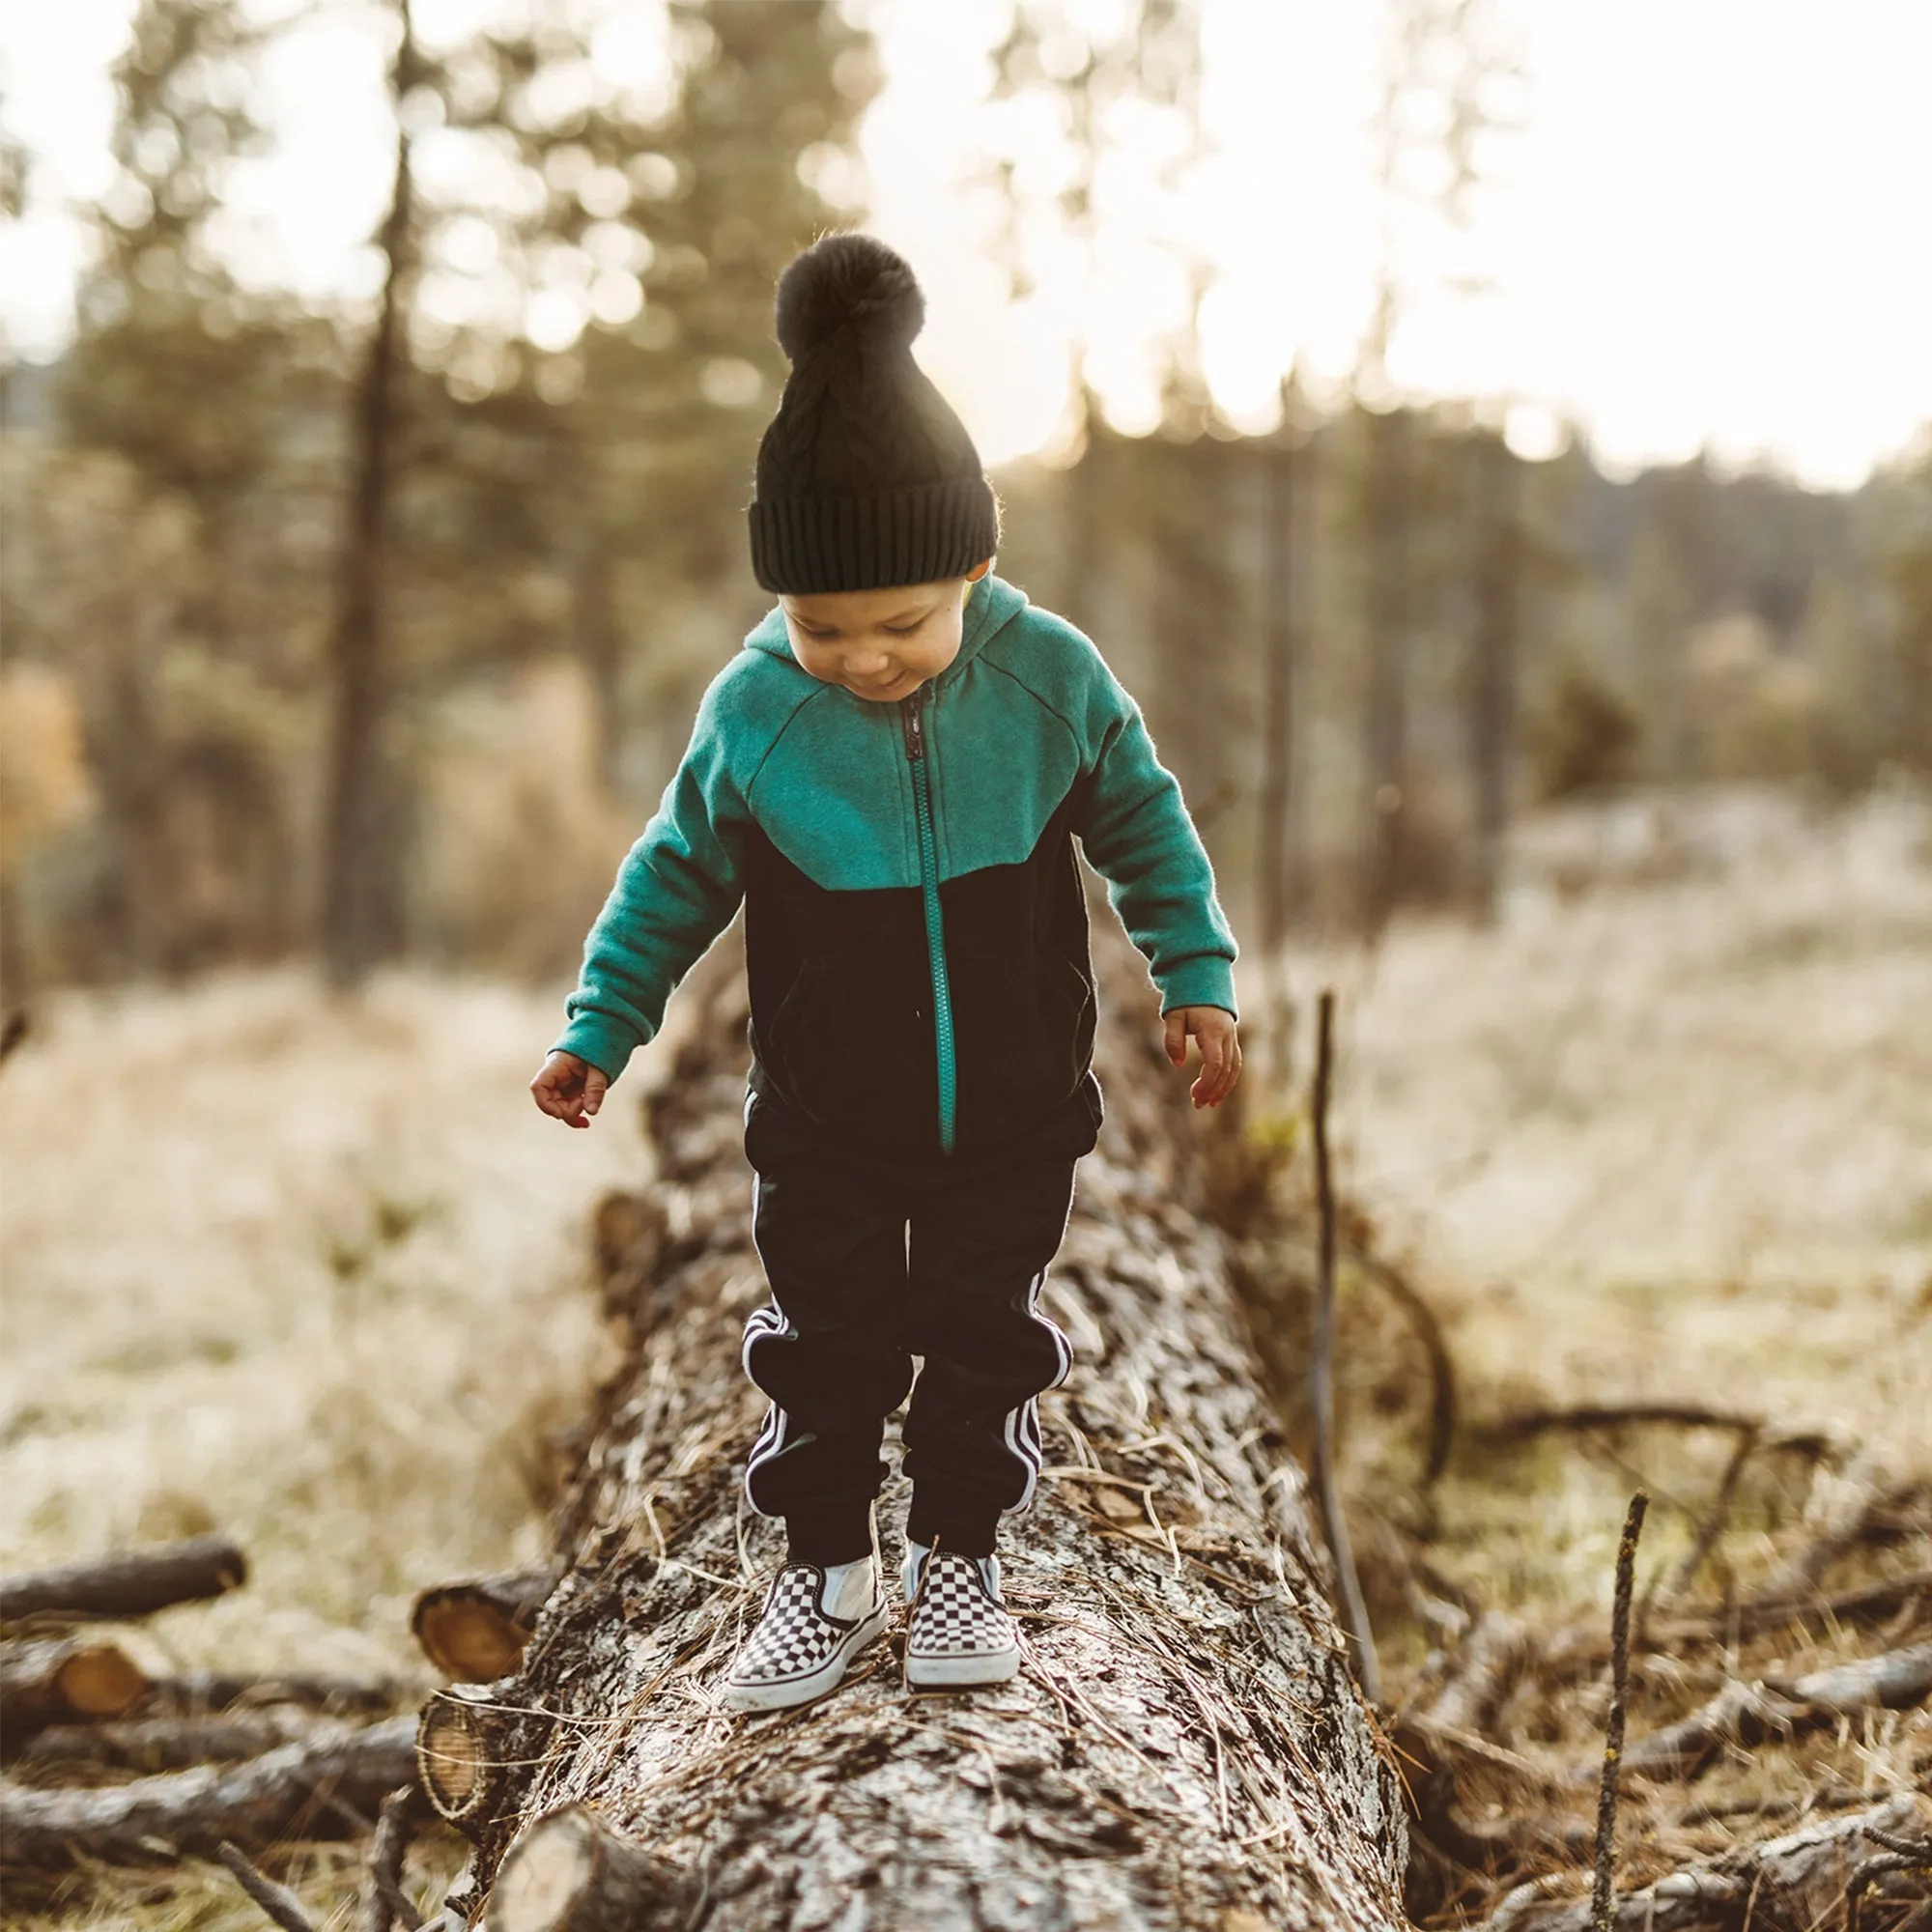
[961, 1673]
[782, 1693]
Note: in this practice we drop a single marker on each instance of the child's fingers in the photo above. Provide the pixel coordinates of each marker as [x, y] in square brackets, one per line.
[1220, 1064]
[1176, 1035]
[1207, 1089]
[594, 1084]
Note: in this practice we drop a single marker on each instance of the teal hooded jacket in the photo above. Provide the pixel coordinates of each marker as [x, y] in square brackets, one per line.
[914, 925]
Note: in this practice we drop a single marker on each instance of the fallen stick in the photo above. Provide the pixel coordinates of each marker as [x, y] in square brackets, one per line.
[384, 1899]
[127, 1583]
[1801, 1879]
[195, 1692]
[281, 1794]
[1570, 1654]
[1521, 1427]
[160, 1744]
[281, 1905]
[1442, 1400]
[1741, 1715]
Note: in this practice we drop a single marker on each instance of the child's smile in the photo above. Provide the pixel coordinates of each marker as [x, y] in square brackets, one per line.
[880, 644]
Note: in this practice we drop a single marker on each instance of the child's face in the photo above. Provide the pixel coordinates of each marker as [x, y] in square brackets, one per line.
[880, 644]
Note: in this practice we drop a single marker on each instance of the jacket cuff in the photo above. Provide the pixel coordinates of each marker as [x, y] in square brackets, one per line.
[1205, 980]
[606, 1045]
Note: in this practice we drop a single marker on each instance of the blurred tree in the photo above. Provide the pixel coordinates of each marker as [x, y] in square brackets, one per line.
[1449, 69]
[1496, 544]
[1909, 573]
[361, 917]
[200, 385]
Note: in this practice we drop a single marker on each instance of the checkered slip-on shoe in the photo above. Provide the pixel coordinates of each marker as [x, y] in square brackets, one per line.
[799, 1650]
[959, 1633]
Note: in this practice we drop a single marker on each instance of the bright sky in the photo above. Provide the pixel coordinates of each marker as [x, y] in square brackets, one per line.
[1710, 232]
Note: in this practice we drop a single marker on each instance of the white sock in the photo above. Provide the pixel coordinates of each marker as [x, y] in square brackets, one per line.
[849, 1588]
[914, 1566]
[917, 1553]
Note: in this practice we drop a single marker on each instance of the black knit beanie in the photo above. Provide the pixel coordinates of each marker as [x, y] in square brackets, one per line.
[866, 477]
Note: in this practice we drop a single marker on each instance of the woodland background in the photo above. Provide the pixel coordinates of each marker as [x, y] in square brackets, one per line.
[346, 647]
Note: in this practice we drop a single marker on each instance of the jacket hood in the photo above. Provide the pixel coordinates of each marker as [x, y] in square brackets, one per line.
[991, 605]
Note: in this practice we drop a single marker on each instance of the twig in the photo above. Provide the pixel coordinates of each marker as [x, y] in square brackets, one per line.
[1442, 1400]
[1603, 1904]
[1616, 1415]
[277, 1900]
[1322, 1371]
[384, 1898]
[1708, 1530]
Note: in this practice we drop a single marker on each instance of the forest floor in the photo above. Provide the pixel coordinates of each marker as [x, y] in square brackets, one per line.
[314, 1274]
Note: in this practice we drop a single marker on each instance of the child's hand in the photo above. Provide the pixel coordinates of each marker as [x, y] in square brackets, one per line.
[569, 1088]
[1220, 1050]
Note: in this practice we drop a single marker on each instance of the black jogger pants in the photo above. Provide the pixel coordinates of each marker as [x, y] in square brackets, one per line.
[871, 1263]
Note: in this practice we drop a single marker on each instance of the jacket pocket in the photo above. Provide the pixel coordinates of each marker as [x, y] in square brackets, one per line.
[851, 1047]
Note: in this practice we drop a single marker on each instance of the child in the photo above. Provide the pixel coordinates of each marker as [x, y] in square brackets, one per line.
[891, 774]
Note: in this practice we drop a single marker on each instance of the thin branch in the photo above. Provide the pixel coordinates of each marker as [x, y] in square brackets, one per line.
[1321, 1371]
[277, 1900]
[1603, 1898]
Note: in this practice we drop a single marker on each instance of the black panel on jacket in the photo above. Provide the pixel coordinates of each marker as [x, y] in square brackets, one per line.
[841, 1001]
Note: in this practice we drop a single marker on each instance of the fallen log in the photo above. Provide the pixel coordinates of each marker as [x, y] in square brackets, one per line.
[197, 1691]
[1803, 1879]
[128, 1582]
[327, 1786]
[476, 1630]
[159, 1743]
[61, 1680]
[1184, 1745]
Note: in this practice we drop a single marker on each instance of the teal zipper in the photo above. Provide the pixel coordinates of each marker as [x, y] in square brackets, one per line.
[935, 934]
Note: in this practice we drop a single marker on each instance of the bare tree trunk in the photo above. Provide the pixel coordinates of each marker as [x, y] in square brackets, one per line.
[359, 916]
[1185, 1747]
[1386, 723]
[1492, 679]
[1278, 855]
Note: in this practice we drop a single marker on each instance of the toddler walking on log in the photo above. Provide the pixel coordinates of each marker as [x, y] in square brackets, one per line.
[891, 774]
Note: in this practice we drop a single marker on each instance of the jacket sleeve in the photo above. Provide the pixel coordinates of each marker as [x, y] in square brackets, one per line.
[676, 891]
[1137, 835]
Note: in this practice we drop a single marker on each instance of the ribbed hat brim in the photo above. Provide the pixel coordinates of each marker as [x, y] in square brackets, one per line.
[871, 540]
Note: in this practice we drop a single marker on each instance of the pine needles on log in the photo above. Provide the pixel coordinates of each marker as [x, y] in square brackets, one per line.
[1184, 1745]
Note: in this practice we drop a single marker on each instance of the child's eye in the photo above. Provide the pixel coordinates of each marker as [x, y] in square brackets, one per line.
[897, 631]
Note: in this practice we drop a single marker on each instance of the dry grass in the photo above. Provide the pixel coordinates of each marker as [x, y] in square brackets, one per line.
[1655, 1138]
[311, 1275]
[314, 1274]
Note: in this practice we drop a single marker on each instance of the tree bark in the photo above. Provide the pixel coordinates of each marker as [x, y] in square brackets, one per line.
[1185, 1747]
[128, 1582]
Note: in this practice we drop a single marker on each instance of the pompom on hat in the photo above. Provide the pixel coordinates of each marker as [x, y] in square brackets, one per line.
[865, 476]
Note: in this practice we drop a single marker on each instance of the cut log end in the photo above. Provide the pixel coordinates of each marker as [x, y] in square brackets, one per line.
[570, 1872]
[468, 1638]
[100, 1680]
[453, 1757]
